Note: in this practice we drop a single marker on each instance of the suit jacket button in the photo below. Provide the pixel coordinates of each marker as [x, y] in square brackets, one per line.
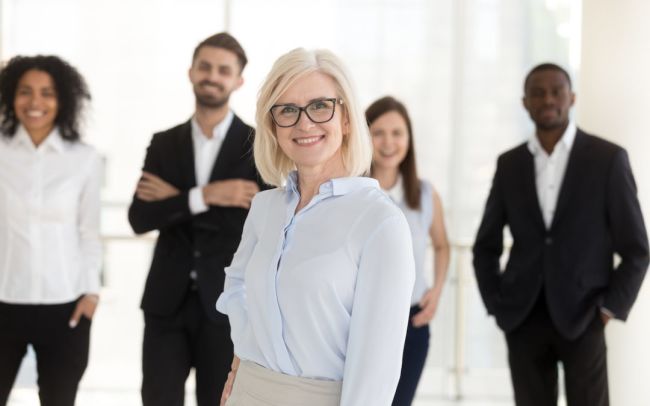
[197, 254]
[548, 241]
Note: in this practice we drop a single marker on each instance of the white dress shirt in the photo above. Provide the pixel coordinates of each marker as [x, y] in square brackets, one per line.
[550, 169]
[206, 150]
[420, 221]
[325, 292]
[50, 249]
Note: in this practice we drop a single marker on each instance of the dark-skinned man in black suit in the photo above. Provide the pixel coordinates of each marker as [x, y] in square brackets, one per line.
[570, 202]
[196, 187]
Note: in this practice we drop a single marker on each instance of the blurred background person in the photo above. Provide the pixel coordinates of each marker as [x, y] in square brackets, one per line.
[393, 165]
[570, 202]
[319, 289]
[49, 217]
[196, 187]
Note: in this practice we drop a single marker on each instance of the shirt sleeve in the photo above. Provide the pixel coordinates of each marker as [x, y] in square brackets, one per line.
[88, 226]
[196, 202]
[232, 300]
[380, 313]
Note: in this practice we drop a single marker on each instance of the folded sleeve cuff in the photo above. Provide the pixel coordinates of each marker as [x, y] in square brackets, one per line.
[197, 204]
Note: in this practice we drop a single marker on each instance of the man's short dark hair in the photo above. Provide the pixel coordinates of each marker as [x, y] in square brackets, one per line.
[225, 41]
[546, 66]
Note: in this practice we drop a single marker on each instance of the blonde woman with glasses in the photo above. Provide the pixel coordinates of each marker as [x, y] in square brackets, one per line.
[319, 290]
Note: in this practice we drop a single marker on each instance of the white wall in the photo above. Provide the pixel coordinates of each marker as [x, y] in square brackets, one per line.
[614, 101]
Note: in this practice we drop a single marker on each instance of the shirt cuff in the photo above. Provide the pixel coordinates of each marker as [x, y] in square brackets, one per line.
[607, 312]
[197, 204]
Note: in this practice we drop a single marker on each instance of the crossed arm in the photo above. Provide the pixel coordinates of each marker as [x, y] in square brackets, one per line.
[158, 203]
[229, 193]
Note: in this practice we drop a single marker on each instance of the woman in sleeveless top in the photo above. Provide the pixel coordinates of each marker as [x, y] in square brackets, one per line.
[394, 167]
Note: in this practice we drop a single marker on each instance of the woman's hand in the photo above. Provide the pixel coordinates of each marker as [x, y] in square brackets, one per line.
[429, 305]
[227, 387]
[85, 307]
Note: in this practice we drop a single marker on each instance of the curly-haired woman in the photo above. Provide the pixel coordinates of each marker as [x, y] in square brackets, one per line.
[50, 250]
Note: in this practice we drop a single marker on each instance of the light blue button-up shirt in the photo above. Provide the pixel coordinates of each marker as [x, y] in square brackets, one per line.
[325, 292]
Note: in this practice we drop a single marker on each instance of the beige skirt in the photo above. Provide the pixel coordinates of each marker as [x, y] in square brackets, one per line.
[259, 386]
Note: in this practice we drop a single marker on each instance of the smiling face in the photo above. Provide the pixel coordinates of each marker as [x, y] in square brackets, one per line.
[313, 147]
[36, 103]
[548, 99]
[215, 74]
[390, 140]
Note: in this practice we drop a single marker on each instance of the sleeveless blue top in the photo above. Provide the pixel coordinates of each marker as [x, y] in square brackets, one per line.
[420, 223]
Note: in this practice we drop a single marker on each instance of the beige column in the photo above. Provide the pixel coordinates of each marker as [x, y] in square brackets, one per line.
[614, 102]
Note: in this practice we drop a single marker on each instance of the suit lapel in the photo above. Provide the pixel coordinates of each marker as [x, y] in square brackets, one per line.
[231, 149]
[572, 175]
[186, 154]
[529, 183]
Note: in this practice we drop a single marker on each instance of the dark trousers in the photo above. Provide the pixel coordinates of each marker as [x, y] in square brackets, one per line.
[173, 345]
[416, 348]
[61, 352]
[536, 347]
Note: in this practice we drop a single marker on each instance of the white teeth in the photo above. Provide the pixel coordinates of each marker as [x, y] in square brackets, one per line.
[305, 141]
[35, 113]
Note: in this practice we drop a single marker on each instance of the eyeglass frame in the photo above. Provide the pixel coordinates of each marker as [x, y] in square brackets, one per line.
[335, 100]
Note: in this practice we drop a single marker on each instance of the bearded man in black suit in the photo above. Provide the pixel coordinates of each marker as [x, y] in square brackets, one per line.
[196, 187]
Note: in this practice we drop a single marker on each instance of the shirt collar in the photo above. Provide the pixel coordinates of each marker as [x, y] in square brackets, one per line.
[569, 135]
[218, 132]
[53, 140]
[336, 186]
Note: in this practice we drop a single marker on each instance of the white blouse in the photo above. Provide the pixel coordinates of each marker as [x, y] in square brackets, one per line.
[420, 222]
[50, 249]
[325, 292]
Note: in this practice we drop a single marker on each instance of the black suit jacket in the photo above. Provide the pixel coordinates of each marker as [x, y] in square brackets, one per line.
[205, 242]
[597, 215]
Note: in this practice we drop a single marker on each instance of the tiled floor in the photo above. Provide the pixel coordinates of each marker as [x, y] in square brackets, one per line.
[113, 376]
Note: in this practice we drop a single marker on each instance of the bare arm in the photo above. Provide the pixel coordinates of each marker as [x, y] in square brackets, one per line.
[438, 233]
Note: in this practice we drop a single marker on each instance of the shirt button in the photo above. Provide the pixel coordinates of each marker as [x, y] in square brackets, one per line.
[197, 254]
[548, 241]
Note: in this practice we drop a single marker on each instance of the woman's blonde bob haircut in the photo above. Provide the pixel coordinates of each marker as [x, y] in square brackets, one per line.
[272, 163]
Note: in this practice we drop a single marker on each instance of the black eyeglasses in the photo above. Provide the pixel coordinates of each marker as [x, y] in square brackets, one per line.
[319, 111]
